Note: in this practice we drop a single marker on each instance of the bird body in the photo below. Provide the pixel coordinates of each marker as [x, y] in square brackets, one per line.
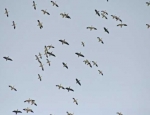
[97, 12]
[17, 111]
[51, 53]
[69, 89]
[37, 58]
[8, 58]
[6, 12]
[14, 25]
[122, 25]
[78, 81]
[91, 28]
[45, 12]
[104, 12]
[83, 44]
[12, 88]
[75, 100]
[119, 113]
[41, 65]
[48, 62]
[40, 55]
[65, 65]
[86, 61]
[39, 77]
[54, 4]
[60, 86]
[50, 46]
[94, 63]
[40, 24]
[148, 25]
[103, 15]
[100, 40]
[100, 72]
[64, 42]
[28, 110]
[34, 5]
[106, 30]
[148, 3]
[79, 54]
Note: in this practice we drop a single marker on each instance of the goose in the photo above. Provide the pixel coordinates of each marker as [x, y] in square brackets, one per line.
[48, 62]
[54, 3]
[28, 100]
[6, 12]
[83, 44]
[60, 86]
[64, 42]
[106, 30]
[40, 55]
[63, 15]
[91, 28]
[12, 88]
[75, 100]
[104, 12]
[148, 25]
[28, 110]
[8, 58]
[94, 63]
[46, 49]
[40, 24]
[97, 12]
[78, 81]
[68, 113]
[50, 46]
[45, 12]
[119, 113]
[14, 25]
[122, 25]
[51, 53]
[79, 54]
[89, 64]
[69, 89]
[86, 61]
[100, 72]
[103, 15]
[113, 16]
[40, 77]
[41, 65]
[34, 5]
[118, 18]
[65, 65]
[17, 111]
[100, 40]
[67, 16]
[37, 58]
[33, 102]
[46, 54]
[148, 3]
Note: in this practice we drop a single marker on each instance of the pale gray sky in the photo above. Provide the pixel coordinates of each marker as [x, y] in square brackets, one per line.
[124, 57]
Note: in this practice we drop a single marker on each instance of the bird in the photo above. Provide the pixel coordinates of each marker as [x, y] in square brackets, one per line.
[104, 12]
[86, 61]
[65, 65]
[12, 88]
[8, 58]
[50, 46]
[64, 42]
[119, 113]
[63, 15]
[45, 12]
[148, 3]
[40, 77]
[78, 81]
[17, 111]
[69, 89]
[41, 65]
[122, 25]
[34, 5]
[69, 113]
[89, 64]
[37, 58]
[67, 16]
[100, 40]
[148, 25]
[51, 53]
[60, 86]
[106, 30]
[79, 54]
[94, 63]
[33, 102]
[118, 18]
[46, 49]
[83, 44]
[114, 17]
[14, 25]
[103, 15]
[100, 72]
[28, 110]
[54, 4]
[75, 100]
[97, 12]
[46, 54]
[40, 55]
[6, 12]
[28, 100]
[40, 24]
[48, 62]
[91, 28]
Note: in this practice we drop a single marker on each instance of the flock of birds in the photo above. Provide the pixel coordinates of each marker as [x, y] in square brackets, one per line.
[79, 54]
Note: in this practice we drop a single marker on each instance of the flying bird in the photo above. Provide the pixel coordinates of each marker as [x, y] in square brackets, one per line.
[50, 46]
[28, 110]
[69, 113]
[51, 54]
[83, 44]
[37, 58]
[40, 55]
[64, 42]
[97, 12]
[79, 54]
[8, 58]
[122, 25]
[6, 12]
[40, 24]
[106, 30]
[78, 81]
[63, 15]
[100, 72]
[48, 62]
[148, 3]
[41, 65]
[100, 40]
[65, 65]
[103, 15]
[69, 89]
[34, 5]
[54, 4]
[89, 64]
[118, 18]
[17, 111]
[67, 16]
[119, 113]
[113, 16]
[86, 61]
[28, 100]
[33, 102]
[40, 77]
[75, 100]
[60, 86]
[148, 25]
[94, 63]
[14, 25]
[12, 88]
[46, 54]
[45, 12]
[91, 28]
[104, 12]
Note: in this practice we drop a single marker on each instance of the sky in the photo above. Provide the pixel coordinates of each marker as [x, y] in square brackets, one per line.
[123, 58]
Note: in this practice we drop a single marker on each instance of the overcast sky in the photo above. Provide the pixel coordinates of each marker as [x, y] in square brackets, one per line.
[124, 57]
